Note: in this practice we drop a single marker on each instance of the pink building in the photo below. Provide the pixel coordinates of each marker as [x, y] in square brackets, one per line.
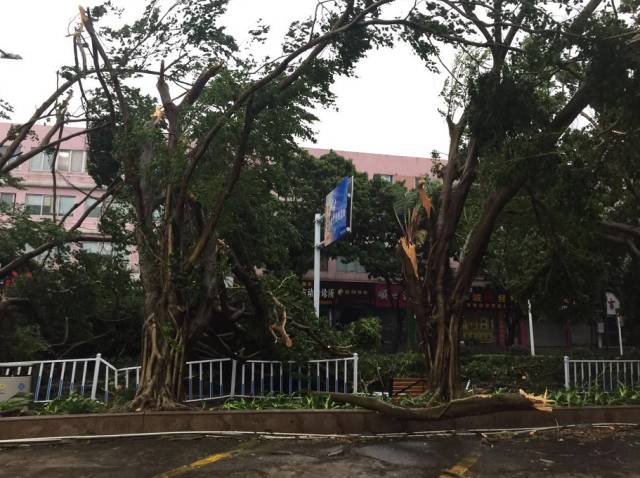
[390, 167]
[407, 169]
[73, 183]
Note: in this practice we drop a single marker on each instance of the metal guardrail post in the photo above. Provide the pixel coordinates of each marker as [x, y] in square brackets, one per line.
[234, 364]
[567, 380]
[355, 373]
[96, 372]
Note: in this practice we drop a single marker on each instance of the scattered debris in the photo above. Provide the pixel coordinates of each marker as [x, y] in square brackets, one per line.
[336, 451]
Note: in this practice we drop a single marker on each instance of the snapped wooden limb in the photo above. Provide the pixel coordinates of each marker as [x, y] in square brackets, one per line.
[278, 329]
[463, 407]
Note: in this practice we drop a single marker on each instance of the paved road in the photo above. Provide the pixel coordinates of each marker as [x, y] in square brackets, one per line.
[577, 452]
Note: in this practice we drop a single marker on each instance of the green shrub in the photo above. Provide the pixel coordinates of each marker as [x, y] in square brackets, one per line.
[596, 397]
[73, 404]
[512, 372]
[283, 402]
[364, 334]
[485, 371]
[120, 397]
[377, 370]
[14, 404]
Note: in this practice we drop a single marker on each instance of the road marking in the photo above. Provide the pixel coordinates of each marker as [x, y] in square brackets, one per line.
[461, 468]
[207, 460]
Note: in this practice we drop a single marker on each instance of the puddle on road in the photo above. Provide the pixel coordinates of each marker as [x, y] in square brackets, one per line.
[407, 453]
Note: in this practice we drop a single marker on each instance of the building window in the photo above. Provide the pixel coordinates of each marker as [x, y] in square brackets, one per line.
[40, 162]
[8, 199]
[354, 266]
[95, 213]
[64, 204]
[38, 204]
[68, 161]
[41, 204]
[387, 178]
[102, 248]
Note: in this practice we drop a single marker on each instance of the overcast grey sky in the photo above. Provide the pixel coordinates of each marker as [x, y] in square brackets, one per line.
[390, 108]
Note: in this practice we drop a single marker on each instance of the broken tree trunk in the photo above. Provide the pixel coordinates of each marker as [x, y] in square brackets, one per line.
[464, 407]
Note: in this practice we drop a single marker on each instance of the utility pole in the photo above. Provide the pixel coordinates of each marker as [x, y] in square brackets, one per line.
[317, 245]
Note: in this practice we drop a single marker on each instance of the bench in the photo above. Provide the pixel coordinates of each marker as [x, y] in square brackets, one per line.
[408, 386]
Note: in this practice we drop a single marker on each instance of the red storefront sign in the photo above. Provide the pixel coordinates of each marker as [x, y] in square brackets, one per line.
[385, 300]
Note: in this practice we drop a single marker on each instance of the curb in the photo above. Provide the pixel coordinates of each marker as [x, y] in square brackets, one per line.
[307, 422]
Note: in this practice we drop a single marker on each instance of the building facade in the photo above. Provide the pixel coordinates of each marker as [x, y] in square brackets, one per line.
[72, 184]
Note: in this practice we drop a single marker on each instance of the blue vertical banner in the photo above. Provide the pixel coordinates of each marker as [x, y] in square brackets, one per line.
[337, 211]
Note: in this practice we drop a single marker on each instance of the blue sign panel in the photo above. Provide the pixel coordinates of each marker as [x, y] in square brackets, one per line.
[337, 211]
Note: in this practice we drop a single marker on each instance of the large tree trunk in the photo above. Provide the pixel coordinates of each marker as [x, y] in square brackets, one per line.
[161, 378]
[164, 342]
[442, 345]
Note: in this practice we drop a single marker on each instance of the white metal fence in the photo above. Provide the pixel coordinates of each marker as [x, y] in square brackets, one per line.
[205, 379]
[53, 379]
[220, 378]
[607, 375]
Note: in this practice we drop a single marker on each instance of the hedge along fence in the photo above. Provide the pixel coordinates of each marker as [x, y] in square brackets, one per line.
[485, 371]
[512, 372]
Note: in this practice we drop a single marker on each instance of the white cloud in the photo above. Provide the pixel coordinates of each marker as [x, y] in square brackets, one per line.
[390, 108]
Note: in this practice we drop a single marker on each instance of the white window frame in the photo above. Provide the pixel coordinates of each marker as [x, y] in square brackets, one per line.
[27, 205]
[45, 161]
[97, 247]
[385, 177]
[71, 153]
[12, 203]
[42, 199]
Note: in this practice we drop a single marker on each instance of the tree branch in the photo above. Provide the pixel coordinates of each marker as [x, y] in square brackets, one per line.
[68, 237]
[195, 91]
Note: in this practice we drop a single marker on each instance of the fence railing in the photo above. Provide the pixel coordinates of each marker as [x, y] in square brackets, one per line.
[220, 378]
[607, 375]
[128, 377]
[205, 379]
[59, 378]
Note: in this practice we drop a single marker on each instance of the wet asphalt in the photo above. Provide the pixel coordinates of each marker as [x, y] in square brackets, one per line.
[574, 452]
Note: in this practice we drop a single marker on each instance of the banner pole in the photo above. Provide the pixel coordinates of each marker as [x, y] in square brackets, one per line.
[316, 263]
[532, 343]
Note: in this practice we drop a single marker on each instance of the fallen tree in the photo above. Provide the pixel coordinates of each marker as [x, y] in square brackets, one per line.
[462, 407]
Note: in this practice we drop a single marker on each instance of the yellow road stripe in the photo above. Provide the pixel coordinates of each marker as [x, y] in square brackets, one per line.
[460, 468]
[181, 470]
